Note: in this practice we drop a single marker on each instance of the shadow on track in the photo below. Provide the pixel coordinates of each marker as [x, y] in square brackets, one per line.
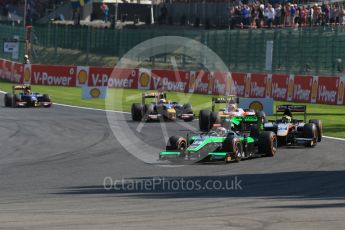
[285, 185]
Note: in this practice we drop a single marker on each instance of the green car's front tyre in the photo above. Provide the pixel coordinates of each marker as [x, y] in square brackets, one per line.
[237, 151]
[176, 143]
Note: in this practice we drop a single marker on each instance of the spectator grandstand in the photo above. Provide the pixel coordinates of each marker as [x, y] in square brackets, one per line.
[210, 14]
[36, 9]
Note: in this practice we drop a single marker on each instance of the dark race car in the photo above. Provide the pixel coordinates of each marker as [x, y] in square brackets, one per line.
[160, 109]
[26, 98]
[221, 143]
[207, 118]
[291, 131]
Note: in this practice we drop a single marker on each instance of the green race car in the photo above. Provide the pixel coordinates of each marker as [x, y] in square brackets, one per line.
[222, 143]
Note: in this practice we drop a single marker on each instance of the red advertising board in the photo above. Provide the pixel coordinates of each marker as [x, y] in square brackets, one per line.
[258, 85]
[123, 78]
[279, 86]
[200, 82]
[220, 83]
[1, 68]
[17, 72]
[53, 75]
[327, 90]
[169, 80]
[239, 84]
[319, 89]
[99, 76]
[7, 70]
[302, 88]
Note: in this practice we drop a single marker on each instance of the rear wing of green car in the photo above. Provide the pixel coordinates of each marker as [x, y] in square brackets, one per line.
[249, 119]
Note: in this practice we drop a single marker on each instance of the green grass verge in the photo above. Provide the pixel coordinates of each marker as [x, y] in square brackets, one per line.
[332, 116]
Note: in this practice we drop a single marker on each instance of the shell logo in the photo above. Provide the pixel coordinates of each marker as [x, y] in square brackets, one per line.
[82, 77]
[27, 75]
[144, 79]
[256, 105]
[95, 93]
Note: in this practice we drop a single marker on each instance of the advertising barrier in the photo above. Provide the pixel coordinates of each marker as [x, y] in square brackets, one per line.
[169, 80]
[295, 88]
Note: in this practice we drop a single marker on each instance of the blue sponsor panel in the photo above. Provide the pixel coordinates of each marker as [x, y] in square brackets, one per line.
[94, 92]
[264, 104]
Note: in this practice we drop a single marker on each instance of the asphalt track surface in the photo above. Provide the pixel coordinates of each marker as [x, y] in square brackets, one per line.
[53, 163]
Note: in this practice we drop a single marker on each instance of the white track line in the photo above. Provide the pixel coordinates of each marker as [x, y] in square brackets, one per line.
[334, 138]
[112, 111]
[93, 109]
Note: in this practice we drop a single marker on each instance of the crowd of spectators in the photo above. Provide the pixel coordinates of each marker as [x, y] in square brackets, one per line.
[255, 14]
[35, 8]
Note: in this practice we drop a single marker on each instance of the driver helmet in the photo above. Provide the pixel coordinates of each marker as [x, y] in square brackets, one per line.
[221, 131]
[27, 90]
[232, 106]
[286, 119]
[162, 101]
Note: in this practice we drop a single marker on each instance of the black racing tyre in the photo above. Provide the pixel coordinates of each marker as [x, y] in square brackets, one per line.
[147, 110]
[214, 119]
[8, 99]
[46, 98]
[254, 131]
[319, 128]
[204, 120]
[176, 143]
[233, 146]
[187, 109]
[310, 131]
[137, 112]
[237, 151]
[268, 143]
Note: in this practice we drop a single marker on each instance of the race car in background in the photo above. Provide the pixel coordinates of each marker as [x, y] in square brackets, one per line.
[160, 109]
[207, 118]
[22, 96]
[221, 143]
[291, 131]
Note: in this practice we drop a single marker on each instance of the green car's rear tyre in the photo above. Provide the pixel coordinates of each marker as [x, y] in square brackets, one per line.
[268, 143]
[204, 120]
[214, 119]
